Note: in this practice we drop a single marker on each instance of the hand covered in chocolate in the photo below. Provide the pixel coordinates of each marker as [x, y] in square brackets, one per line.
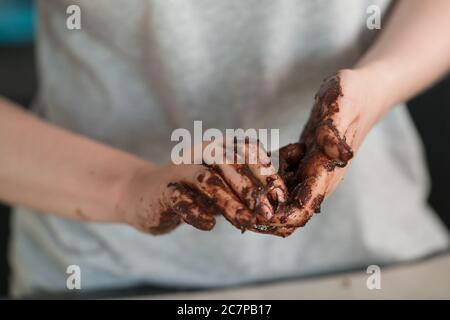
[245, 192]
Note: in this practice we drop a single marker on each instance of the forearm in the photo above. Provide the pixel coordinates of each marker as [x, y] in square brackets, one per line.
[52, 170]
[412, 51]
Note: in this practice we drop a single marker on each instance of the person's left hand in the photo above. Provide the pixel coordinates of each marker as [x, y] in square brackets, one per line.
[344, 111]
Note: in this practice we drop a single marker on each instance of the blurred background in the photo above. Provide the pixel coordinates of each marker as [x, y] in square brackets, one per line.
[430, 111]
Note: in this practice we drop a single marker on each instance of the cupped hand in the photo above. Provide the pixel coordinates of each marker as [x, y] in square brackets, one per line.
[343, 113]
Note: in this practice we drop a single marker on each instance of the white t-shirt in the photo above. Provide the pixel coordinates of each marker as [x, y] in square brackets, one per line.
[139, 69]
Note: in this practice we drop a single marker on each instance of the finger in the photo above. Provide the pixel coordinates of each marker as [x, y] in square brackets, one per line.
[284, 231]
[212, 185]
[192, 206]
[232, 171]
[308, 195]
[247, 187]
[238, 175]
[331, 120]
[281, 231]
[291, 216]
[265, 173]
[248, 171]
[315, 176]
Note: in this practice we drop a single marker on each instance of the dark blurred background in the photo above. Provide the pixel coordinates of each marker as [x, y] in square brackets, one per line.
[430, 112]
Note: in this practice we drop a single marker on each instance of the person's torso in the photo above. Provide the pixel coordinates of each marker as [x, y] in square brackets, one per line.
[143, 68]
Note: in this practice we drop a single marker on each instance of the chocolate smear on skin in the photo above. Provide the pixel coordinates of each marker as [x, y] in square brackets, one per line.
[326, 105]
[169, 220]
[258, 189]
[317, 202]
[215, 181]
[239, 217]
[201, 177]
[269, 185]
[328, 94]
[245, 170]
[206, 207]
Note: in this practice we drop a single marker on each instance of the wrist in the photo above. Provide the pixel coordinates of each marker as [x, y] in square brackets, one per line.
[128, 192]
[108, 186]
[378, 81]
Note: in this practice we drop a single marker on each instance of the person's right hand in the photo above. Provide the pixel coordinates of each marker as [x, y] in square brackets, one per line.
[157, 201]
